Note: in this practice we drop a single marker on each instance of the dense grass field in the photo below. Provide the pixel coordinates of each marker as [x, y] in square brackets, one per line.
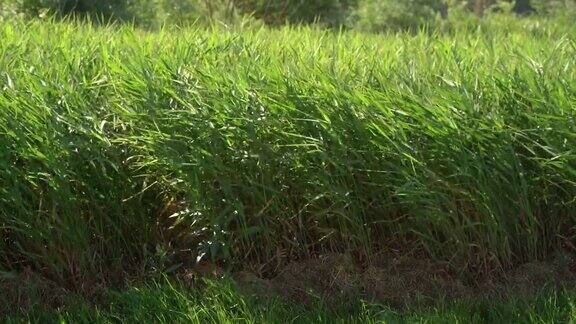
[128, 153]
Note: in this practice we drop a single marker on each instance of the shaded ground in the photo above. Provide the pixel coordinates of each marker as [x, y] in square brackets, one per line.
[400, 282]
[221, 302]
[334, 280]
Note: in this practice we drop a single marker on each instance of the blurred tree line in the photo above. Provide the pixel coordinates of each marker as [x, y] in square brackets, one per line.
[373, 15]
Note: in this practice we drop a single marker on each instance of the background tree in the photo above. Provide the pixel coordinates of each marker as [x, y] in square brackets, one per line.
[479, 6]
[523, 7]
[275, 12]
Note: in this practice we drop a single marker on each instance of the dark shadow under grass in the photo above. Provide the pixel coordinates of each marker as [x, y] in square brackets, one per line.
[219, 301]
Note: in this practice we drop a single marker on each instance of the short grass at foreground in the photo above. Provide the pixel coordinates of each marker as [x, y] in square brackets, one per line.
[127, 153]
[220, 302]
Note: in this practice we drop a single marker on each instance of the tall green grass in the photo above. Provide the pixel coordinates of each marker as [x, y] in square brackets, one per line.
[124, 150]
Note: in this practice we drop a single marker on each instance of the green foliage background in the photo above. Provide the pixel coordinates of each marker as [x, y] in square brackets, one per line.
[368, 15]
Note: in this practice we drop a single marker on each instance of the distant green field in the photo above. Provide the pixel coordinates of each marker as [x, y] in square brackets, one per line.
[125, 152]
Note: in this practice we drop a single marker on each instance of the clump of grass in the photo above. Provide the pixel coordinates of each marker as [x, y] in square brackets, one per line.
[125, 151]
